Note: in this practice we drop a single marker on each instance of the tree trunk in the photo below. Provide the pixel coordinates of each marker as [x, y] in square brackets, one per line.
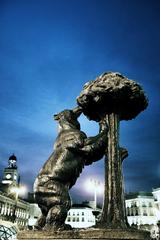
[113, 212]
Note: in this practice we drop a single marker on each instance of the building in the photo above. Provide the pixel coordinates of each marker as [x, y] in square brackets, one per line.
[12, 209]
[11, 177]
[80, 216]
[140, 209]
[143, 210]
[34, 213]
[156, 194]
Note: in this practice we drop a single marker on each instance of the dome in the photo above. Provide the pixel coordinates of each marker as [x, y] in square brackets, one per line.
[13, 157]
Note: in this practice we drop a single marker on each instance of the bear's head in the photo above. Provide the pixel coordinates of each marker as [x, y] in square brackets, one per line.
[68, 118]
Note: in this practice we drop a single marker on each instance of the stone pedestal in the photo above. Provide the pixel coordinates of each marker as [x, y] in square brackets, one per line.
[107, 234]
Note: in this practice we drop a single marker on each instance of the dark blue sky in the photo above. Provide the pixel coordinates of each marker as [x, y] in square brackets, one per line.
[48, 50]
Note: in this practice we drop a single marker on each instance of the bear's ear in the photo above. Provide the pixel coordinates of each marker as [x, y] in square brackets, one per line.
[77, 111]
[56, 117]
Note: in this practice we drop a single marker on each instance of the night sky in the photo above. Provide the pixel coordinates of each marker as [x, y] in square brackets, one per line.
[48, 50]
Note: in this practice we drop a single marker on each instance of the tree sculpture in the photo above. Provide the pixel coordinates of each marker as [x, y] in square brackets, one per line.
[113, 97]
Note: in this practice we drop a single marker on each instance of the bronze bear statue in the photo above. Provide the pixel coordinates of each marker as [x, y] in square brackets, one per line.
[72, 151]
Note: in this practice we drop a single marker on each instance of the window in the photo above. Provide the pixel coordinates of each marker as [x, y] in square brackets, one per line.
[127, 211]
[132, 214]
[136, 211]
[133, 204]
[82, 219]
[82, 213]
[143, 204]
[151, 213]
[144, 213]
[68, 219]
[150, 204]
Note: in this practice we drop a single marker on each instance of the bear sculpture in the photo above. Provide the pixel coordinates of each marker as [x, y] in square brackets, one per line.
[72, 151]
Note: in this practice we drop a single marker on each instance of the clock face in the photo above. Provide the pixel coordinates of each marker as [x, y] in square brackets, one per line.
[8, 176]
[12, 161]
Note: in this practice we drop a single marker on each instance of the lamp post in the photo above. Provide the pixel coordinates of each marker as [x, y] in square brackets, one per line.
[94, 185]
[16, 191]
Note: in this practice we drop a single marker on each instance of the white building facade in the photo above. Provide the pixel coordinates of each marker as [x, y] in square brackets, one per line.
[34, 214]
[9, 207]
[12, 209]
[80, 217]
[156, 194]
[143, 211]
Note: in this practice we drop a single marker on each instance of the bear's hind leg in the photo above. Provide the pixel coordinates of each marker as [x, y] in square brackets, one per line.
[56, 218]
[42, 219]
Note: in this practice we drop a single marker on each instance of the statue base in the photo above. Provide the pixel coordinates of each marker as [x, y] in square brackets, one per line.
[92, 233]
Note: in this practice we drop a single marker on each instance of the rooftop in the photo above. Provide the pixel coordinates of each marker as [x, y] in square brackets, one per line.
[155, 189]
[80, 206]
[13, 157]
[138, 195]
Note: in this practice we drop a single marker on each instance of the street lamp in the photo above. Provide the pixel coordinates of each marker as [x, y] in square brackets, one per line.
[17, 191]
[95, 186]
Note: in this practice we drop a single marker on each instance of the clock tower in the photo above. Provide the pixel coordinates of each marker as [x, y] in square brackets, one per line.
[10, 174]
